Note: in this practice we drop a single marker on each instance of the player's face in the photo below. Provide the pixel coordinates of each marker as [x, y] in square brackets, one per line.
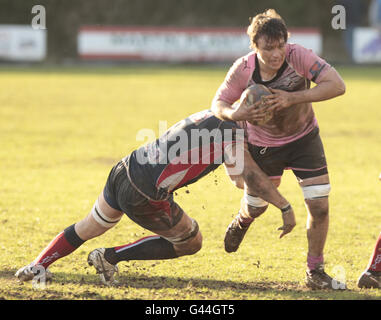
[271, 53]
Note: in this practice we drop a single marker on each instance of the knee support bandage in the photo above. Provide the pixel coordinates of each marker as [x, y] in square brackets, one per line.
[185, 236]
[101, 218]
[316, 191]
[255, 201]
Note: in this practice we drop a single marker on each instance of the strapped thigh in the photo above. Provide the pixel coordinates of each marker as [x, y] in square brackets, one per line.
[255, 202]
[316, 191]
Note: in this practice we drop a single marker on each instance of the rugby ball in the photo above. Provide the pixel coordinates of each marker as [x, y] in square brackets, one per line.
[256, 93]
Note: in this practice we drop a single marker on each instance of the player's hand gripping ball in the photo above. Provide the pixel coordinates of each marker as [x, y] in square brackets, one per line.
[256, 93]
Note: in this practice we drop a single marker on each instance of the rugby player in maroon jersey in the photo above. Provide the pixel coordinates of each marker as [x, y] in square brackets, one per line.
[142, 186]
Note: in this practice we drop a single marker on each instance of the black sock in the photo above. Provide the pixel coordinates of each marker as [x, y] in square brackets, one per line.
[72, 237]
[148, 248]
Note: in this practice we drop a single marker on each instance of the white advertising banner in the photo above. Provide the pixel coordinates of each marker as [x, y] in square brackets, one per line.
[174, 44]
[22, 43]
[366, 45]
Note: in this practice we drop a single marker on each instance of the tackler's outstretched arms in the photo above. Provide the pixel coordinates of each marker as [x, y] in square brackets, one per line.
[257, 182]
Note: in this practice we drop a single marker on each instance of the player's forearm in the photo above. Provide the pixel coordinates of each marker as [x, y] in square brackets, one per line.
[331, 87]
[222, 110]
[259, 184]
[264, 189]
[321, 92]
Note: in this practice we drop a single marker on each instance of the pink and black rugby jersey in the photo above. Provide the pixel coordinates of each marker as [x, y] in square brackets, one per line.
[301, 66]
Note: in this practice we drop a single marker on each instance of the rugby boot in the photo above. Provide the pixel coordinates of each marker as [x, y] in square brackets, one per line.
[31, 271]
[318, 279]
[234, 235]
[369, 279]
[105, 269]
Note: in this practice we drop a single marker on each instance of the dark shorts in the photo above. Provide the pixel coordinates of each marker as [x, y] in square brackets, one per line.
[121, 195]
[305, 157]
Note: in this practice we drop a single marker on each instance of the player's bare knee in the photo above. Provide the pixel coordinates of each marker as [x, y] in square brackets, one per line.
[189, 241]
[316, 198]
[192, 246]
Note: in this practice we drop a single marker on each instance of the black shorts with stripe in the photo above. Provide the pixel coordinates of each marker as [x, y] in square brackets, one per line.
[121, 195]
[305, 157]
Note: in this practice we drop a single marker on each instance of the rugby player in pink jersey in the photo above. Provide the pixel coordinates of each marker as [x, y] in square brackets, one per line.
[286, 134]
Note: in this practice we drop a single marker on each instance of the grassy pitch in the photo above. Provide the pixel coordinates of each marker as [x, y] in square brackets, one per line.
[62, 130]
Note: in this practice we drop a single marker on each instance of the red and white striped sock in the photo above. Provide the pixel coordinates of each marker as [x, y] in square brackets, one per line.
[375, 260]
[62, 245]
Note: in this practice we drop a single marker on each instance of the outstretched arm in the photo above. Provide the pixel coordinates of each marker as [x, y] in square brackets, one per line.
[257, 182]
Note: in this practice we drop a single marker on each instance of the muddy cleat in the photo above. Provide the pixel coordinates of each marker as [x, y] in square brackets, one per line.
[29, 272]
[234, 235]
[105, 269]
[369, 279]
[317, 279]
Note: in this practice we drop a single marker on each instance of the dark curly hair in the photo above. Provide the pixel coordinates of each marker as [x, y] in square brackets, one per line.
[269, 24]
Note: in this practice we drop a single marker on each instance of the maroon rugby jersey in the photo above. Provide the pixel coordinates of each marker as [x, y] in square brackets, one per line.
[189, 150]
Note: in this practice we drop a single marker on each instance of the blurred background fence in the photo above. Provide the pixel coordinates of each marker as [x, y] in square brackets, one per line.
[80, 30]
